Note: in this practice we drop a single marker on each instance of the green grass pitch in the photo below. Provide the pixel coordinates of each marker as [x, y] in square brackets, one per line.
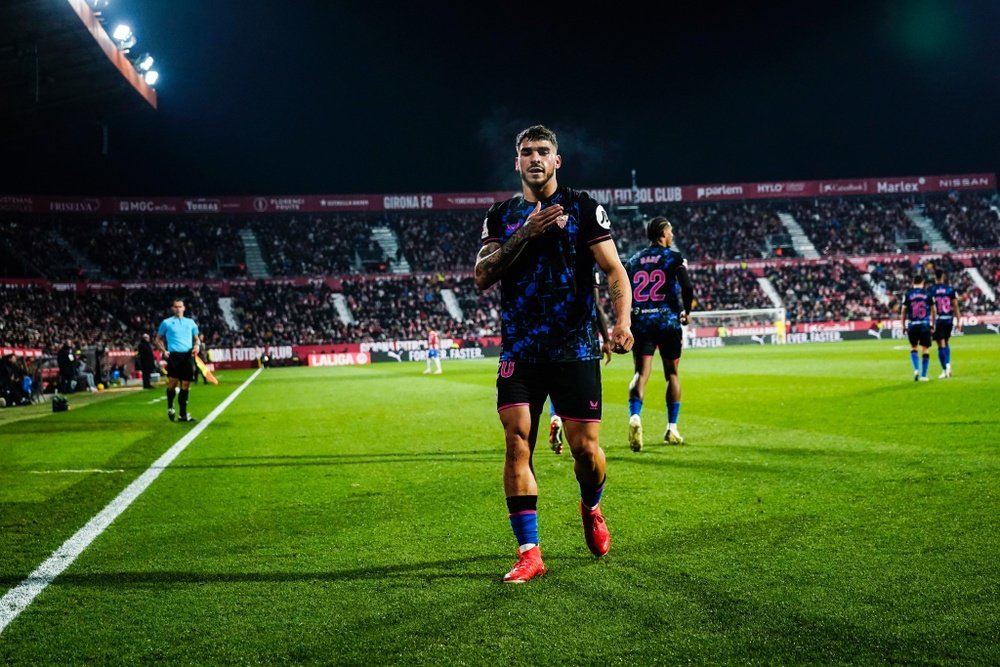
[826, 510]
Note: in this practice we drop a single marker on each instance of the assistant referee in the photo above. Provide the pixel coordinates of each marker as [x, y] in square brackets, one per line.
[177, 338]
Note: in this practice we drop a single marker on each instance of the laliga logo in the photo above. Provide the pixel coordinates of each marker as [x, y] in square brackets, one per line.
[602, 218]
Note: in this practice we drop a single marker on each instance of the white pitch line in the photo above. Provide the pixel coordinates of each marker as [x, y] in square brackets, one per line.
[57, 472]
[18, 598]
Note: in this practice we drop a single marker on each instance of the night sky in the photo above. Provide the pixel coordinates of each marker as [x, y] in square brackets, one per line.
[330, 97]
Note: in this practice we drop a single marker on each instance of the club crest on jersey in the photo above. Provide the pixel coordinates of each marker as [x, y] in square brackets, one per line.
[602, 217]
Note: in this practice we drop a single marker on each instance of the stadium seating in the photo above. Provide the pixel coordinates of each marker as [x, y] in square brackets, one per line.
[331, 279]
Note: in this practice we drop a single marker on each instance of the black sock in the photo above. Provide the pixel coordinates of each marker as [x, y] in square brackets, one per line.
[170, 398]
[182, 398]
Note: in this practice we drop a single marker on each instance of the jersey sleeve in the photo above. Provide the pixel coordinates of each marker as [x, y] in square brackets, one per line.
[491, 225]
[595, 223]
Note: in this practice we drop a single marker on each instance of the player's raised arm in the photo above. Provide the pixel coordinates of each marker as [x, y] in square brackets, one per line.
[494, 259]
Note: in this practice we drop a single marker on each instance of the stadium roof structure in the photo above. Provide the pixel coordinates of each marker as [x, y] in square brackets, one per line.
[58, 66]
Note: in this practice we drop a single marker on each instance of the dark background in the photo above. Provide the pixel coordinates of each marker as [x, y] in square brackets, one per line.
[305, 97]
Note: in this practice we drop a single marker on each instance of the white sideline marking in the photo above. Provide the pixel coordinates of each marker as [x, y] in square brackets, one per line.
[18, 598]
[56, 472]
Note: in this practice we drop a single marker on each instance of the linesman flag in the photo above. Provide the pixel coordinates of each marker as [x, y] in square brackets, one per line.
[204, 370]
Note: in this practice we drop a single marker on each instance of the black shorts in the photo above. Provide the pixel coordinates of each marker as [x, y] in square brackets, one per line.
[670, 342]
[574, 387]
[180, 366]
[942, 330]
[919, 334]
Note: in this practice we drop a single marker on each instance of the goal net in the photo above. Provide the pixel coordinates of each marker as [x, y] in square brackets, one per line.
[747, 322]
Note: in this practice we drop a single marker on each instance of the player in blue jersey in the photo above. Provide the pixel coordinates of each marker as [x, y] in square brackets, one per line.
[177, 338]
[946, 304]
[661, 300]
[541, 247]
[918, 309]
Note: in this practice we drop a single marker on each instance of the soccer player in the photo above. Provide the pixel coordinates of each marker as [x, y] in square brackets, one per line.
[541, 246]
[661, 300]
[433, 353]
[918, 308]
[946, 304]
[177, 339]
[555, 421]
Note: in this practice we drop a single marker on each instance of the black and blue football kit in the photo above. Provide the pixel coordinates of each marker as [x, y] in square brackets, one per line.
[661, 291]
[547, 306]
[917, 303]
[943, 294]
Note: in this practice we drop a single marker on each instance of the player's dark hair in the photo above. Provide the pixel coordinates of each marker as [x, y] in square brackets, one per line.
[654, 230]
[918, 279]
[536, 133]
[939, 273]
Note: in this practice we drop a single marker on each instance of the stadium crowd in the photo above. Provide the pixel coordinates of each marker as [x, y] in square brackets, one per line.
[329, 280]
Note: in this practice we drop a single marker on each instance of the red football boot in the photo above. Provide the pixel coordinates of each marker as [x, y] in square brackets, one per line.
[528, 566]
[595, 531]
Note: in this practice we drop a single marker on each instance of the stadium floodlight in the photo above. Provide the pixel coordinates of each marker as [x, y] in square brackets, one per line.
[151, 77]
[124, 37]
[144, 63]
